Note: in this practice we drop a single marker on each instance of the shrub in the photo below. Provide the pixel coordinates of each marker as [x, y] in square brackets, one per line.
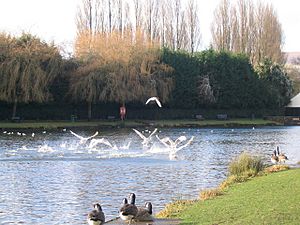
[174, 208]
[276, 168]
[210, 193]
[246, 165]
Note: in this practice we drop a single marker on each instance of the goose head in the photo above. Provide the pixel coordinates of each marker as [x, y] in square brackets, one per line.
[148, 206]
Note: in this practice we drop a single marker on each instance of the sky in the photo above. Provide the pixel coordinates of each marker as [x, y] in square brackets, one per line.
[54, 20]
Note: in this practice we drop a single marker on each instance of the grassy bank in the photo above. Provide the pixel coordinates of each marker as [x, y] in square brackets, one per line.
[138, 123]
[270, 199]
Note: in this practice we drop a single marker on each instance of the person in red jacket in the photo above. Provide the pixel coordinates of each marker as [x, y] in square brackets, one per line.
[122, 112]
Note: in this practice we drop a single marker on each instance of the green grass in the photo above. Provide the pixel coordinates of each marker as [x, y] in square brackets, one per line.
[136, 123]
[270, 199]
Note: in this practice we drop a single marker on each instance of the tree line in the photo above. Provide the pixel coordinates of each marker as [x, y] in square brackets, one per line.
[121, 61]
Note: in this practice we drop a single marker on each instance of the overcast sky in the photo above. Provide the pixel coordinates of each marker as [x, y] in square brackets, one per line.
[55, 19]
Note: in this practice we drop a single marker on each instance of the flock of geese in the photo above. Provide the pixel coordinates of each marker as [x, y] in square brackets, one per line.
[129, 212]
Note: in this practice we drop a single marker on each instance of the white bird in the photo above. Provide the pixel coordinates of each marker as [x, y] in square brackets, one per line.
[33, 134]
[95, 142]
[154, 99]
[146, 140]
[172, 145]
[125, 147]
[83, 140]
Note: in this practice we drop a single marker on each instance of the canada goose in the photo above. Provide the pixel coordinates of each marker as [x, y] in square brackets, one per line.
[96, 217]
[128, 211]
[154, 99]
[281, 157]
[274, 157]
[145, 214]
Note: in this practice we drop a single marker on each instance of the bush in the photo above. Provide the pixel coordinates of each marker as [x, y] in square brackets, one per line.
[246, 165]
[210, 193]
[276, 168]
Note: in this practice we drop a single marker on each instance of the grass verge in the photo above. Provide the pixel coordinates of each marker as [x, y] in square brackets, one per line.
[265, 199]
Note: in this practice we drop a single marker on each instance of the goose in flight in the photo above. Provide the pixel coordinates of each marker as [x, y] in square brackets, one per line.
[154, 99]
[172, 145]
[83, 140]
[96, 217]
[146, 140]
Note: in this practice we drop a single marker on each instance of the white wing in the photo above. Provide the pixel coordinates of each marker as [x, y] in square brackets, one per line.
[94, 142]
[150, 99]
[94, 135]
[183, 146]
[152, 133]
[154, 99]
[164, 141]
[76, 135]
[140, 134]
[158, 102]
[126, 146]
[180, 139]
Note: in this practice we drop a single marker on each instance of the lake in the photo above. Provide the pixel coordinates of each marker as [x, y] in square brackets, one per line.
[50, 178]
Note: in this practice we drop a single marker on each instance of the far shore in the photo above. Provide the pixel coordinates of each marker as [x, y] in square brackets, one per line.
[229, 123]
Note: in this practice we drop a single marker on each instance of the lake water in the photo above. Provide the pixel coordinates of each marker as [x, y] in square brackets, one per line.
[52, 179]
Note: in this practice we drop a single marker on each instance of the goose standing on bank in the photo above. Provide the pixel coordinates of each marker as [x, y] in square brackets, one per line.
[281, 157]
[96, 217]
[274, 157]
[128, 211]
[145, 214]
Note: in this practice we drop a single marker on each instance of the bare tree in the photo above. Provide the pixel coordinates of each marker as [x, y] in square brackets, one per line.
[137, 4]
[221, 28]
[251, 29]
[192, 26]
[87, 17]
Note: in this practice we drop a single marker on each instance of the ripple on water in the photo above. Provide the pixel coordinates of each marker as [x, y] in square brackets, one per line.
[60, 183]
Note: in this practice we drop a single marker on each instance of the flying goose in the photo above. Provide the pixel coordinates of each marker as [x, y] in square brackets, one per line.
[96, 217]
[83, 140]
[146, 140]
[128, 211]
[154, 99]
[144, 214]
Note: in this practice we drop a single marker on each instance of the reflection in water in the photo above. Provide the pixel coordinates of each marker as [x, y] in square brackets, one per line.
[49, 179]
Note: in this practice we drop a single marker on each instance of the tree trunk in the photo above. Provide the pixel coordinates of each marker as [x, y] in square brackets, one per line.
[15, 108]
[89, 111]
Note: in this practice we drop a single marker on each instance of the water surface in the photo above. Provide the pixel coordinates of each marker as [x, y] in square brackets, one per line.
[52, 179]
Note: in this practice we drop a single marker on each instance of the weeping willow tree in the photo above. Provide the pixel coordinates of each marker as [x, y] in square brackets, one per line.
[27, 68]
[116, 69]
